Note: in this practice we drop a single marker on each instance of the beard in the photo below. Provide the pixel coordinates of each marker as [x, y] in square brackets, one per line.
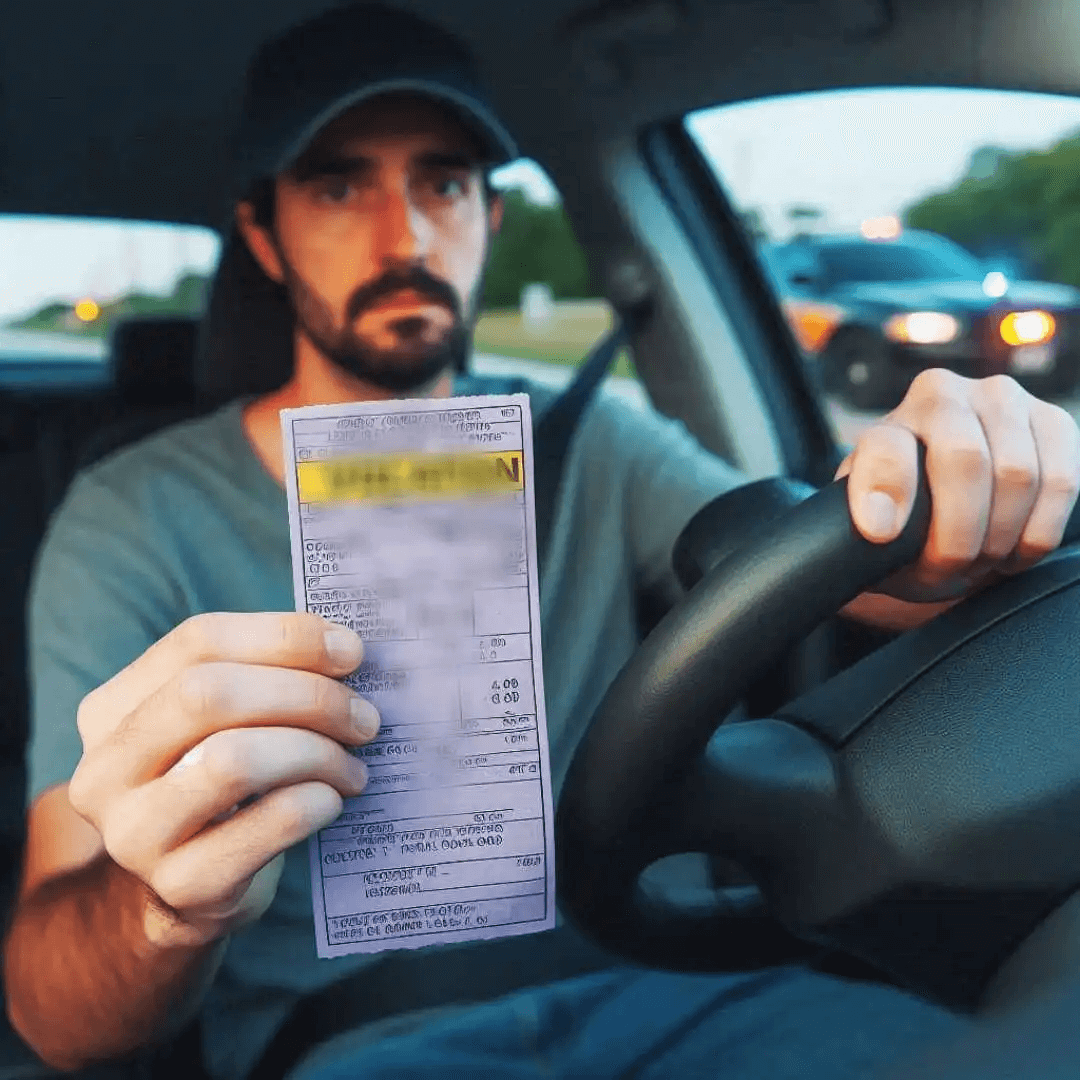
[410, 366]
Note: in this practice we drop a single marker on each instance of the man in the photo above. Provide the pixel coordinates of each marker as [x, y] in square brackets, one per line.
[166, 869]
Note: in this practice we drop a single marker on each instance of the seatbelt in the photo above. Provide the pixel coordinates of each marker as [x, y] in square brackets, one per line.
[554, 429]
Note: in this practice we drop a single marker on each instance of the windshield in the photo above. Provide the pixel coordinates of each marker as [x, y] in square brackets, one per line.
[782, 263]
[897, 261]
[904, 189]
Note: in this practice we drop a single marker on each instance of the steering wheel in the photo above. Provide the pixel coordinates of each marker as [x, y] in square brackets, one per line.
[918, 811]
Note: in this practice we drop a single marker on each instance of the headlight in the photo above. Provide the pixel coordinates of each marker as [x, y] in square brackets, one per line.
[1027, 327]
[812, 324]
[923, 328]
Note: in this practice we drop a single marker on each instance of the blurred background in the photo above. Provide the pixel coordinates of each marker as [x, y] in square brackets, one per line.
[899, 228]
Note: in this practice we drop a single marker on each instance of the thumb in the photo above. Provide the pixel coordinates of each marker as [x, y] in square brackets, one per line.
[882, 482]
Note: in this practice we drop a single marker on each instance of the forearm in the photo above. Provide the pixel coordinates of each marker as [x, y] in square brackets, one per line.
[84, 984]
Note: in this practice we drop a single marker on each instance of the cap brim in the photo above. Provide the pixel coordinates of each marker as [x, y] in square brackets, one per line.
[497, 141]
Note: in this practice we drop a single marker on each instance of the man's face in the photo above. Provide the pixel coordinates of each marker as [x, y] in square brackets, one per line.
[380, 235]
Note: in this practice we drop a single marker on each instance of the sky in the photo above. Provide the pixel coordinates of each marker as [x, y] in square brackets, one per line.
[854, 154]
[868, 153]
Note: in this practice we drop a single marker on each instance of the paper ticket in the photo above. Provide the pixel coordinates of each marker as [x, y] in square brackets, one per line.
[412, 522]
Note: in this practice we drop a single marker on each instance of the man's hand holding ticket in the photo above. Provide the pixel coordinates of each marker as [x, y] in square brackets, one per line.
[412, 524]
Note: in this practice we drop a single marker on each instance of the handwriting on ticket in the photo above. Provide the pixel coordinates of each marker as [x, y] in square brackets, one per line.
[412, 522]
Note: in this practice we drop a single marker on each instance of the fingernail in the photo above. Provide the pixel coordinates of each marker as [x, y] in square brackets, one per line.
[365, 718]
[878, 513]
[344, 647]
[358, 771]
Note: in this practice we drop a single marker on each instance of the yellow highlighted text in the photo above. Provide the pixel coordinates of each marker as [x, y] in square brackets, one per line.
[399, 476]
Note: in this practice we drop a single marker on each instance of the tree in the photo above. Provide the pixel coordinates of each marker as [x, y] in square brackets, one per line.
[187, 298]
[191, 291]
[1027, 208]
[535, 244]
[805, 213]
[805, 219]
[48, 317]
[985, 162]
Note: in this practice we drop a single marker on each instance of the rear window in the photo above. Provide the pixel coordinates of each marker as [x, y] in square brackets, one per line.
[64, 282]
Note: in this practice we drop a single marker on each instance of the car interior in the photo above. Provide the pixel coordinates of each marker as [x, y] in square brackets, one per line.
[125, 111]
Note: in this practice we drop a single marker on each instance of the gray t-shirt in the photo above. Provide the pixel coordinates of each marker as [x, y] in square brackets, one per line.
[188, 521]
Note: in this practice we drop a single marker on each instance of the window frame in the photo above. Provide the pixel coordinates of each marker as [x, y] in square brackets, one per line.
[693, 191]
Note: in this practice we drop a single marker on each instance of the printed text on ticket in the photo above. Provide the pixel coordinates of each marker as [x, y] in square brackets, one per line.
[413, 523]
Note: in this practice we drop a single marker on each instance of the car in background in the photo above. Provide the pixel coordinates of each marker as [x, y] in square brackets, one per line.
[871, 311]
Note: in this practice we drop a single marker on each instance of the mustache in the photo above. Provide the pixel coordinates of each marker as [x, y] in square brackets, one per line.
[415, 278]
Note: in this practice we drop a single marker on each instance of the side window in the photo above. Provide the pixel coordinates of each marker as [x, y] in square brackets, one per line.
[904, 229]
[541, 312]
[65, 282]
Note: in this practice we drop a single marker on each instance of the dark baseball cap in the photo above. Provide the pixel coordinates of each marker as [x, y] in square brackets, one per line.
[311, 74]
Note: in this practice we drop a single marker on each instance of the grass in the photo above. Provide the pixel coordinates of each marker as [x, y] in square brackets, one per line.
[565, 338]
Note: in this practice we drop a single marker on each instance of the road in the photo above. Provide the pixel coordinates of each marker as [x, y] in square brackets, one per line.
[847, 423]
[556, 375]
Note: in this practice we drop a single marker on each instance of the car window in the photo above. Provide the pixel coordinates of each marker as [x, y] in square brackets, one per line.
[906, 228]
[65, 282]
[541, 311]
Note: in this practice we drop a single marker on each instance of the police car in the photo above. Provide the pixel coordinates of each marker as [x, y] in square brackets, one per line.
[873, 310]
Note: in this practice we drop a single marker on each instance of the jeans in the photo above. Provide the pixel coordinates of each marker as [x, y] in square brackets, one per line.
[779, 1024]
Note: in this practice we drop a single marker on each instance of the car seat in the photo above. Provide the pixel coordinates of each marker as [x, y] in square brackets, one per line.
[151, 385]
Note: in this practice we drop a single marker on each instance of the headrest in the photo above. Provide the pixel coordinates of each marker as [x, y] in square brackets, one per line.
[246, 338]
[154, 361]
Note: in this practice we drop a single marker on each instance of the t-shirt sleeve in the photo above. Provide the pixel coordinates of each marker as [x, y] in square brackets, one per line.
[98, 599]
[670, 477]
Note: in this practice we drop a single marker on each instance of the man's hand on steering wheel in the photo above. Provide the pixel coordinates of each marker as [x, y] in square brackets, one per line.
[1004, 473]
